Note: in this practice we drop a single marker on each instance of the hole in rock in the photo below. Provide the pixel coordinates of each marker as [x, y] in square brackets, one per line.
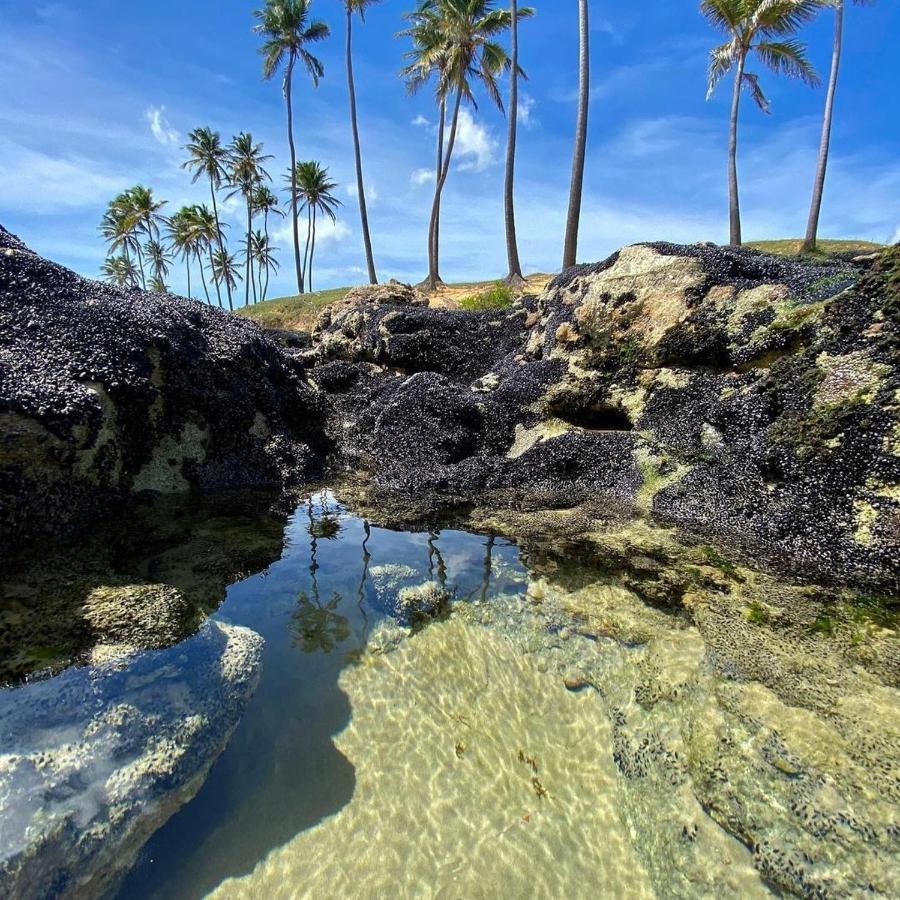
[595, 417]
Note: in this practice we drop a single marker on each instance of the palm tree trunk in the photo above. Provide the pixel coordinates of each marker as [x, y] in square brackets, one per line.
[248, 272]
[812, 227]
[573, 219]
[187, 265]
[203, 279]
[308, 236]
[140, 257]
[434, 276]
[512, 246]
[212, 192]
[312, 250]
[288, 83]
[435, 225]
[212, 268]
[265, 290]
[360, 188]
[734, 204]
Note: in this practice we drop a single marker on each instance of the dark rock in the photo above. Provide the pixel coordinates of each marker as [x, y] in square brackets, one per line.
[106, 392]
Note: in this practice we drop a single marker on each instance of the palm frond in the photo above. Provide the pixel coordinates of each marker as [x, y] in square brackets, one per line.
[788, 58]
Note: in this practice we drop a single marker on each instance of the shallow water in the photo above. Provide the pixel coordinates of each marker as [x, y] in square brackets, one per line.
[545, 732]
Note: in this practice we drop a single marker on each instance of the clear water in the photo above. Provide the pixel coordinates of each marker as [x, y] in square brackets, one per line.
[609, 726]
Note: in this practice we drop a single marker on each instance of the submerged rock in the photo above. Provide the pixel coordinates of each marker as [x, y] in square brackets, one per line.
[96, 759]
[106, 392]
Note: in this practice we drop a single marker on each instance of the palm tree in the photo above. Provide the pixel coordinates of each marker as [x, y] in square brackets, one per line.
[120, 271]
[812, 227]
[514, 276]
[205, 230]
[454, 39]
[245, 174]
[761, 27]
[158, 285]
[287, 29]
[208, 157]
[159, 257]
[116, 229]
[142, 216]
[315, 190]
[182, 237]
[359, 6]
[576, 186]
[265, 201]
[263, 254]
[226, 269]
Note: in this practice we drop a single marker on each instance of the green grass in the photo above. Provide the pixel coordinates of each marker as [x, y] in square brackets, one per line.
[298, 313]
[791, 247]
[497, 296]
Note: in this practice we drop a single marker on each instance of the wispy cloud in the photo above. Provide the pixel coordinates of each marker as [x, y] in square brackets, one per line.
[160, 128]
[525, 111]
[351, 190]
[420, 121]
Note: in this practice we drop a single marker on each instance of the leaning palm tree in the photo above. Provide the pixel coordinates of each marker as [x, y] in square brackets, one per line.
[815, 209]
[316, 192]
[514, 276]
[120, 271]
[350, 7]
[576, 185]
[245, 174]
[286, 27]
[763, 28]
[226, 269]
[209, 157]
[454, 38]
[204, 230]
[263, 254]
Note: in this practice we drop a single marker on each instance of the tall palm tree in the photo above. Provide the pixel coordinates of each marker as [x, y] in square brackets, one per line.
[576, 186]
[116, 229]
[209, 157]
[350, 7]
[427, 58]
[120, 271]
[763, 28]
[286, 27]
[263, 254]
[315, 190]
[514, 276]
[455, 39]
[226, 269]
[815, 209]
[245, 174]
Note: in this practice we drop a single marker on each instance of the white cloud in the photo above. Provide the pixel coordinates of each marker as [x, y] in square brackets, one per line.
[474, 144]
[421, 176]
[32, 180]
[352, 191]
[327, 232]
[159, 126]
[525, 111]
[420, 121]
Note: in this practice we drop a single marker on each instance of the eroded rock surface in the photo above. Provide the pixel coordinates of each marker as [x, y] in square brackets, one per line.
[106, 392]
[750, 398]
[96, 759]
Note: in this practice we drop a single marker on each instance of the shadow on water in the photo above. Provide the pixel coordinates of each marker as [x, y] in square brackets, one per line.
[281, 772]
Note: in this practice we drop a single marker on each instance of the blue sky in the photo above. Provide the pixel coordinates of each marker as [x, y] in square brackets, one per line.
[97, 95]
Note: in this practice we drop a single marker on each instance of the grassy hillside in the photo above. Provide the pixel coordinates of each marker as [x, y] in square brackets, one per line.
[791, 247]
[300, 312]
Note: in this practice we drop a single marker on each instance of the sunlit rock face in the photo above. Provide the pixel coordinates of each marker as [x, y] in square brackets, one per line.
[93, 761]
[105, 392]
[749, 397]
